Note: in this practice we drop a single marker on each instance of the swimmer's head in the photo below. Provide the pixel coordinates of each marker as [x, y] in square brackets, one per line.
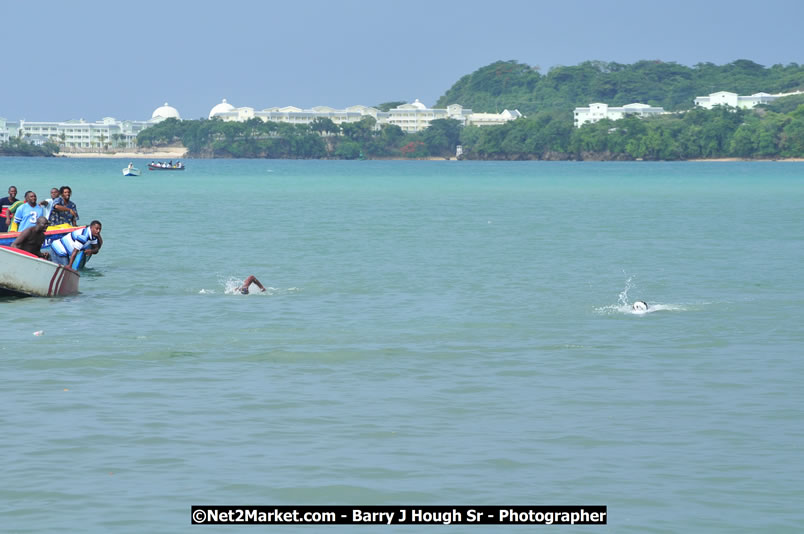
[640, 306]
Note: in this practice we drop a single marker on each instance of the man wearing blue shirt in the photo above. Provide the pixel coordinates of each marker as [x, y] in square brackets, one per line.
[27, 214]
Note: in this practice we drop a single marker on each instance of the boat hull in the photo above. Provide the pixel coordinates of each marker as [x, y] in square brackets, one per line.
[26, 275]
[158, 168]
[131, 172]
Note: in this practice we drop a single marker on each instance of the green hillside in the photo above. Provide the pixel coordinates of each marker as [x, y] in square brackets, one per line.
[513, 85]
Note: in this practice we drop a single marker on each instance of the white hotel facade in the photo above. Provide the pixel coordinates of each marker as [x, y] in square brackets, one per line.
[598, 111]
[725, 98]
[413, 117]
[80, 134]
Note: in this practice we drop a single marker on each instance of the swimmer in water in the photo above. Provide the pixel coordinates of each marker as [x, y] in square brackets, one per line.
[250, 280]
[640, 306]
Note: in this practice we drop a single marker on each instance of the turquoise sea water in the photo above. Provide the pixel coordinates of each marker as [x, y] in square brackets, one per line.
[433, 333]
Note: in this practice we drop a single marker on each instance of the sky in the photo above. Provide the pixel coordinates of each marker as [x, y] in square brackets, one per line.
[92, 59]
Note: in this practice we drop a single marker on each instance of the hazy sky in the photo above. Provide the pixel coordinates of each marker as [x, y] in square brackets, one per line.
[92, 59]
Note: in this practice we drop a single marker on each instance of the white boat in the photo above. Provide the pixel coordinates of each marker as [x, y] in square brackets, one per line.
[131, 170]
[23, 274]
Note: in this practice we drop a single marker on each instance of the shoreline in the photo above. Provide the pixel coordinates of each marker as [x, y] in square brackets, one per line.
[181, 153]
[165, 153]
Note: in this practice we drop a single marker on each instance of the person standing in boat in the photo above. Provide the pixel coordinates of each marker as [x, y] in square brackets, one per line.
[47, 204]
[64, 211]
[32, 238]
[27, 214]
[5, 203]
[12, 210]
[63, 251]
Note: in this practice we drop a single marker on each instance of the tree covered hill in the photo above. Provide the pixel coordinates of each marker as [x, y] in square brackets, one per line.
[547, 132]
[513, 85]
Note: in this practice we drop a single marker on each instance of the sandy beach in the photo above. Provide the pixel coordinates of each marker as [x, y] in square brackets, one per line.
[161, 154]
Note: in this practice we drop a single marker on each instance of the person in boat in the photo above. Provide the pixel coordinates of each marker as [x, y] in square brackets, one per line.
[63, 251]
[12, 210]
[26, 215]
[32, 238]
[6, 203]
[47, 204]
[250, 280]
[64, 210]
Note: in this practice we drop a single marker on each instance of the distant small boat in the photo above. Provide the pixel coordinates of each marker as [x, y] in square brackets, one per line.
[131, 170]
[23, 274]
[166, 166]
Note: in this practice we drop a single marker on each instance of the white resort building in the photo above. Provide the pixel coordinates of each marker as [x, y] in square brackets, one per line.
[4, 129]
[725, 98]
[413, 117]
[79, 134]
[598, 111]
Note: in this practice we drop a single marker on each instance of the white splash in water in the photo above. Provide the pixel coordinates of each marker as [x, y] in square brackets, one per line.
[625, 306]
[622, 300]
[232, 285]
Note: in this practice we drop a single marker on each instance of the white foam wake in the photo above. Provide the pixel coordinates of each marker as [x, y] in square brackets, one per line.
[629, 309]
[232, 285]
[624, 306]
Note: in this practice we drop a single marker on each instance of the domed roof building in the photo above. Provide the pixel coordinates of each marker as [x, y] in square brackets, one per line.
[165, 112]
[223, 107]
